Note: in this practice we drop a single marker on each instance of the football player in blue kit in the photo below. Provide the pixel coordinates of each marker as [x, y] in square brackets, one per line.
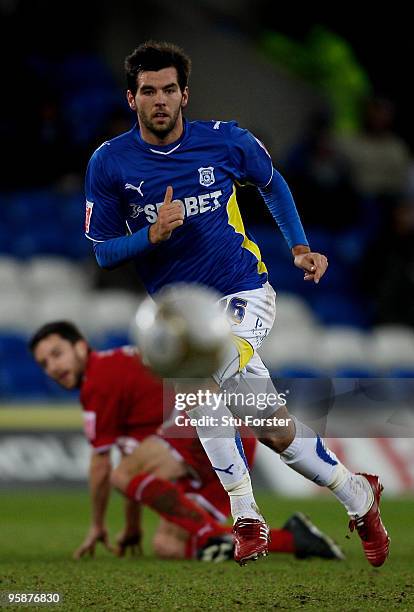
[163, 195]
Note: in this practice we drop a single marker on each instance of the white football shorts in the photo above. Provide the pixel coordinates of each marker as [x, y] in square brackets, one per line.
[251, 314]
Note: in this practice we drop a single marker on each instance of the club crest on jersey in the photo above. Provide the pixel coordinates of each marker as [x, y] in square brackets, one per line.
[207, 176]
[88, 215]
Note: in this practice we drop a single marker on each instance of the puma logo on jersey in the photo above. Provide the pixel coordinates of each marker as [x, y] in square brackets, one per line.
[130, 186]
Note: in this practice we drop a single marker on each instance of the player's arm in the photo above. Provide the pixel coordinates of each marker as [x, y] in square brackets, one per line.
[99, 485]
[280, 202]
[252, 163]
[130, 537]
[111, 253]
[104, 221]
[170, 216]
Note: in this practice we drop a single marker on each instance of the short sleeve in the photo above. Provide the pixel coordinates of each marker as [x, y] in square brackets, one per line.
[101, 396]
[100, 418]
[103, 215]
[250, 159]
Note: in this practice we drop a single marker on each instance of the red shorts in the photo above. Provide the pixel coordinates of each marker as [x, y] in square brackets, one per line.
[205, 488]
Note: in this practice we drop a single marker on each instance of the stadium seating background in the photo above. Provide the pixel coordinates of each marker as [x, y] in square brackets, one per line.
[46, 266]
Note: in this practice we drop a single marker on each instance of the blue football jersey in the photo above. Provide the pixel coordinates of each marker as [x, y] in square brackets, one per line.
[126, 183]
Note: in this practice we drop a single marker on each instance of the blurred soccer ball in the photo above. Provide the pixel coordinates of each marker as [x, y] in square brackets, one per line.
[184, 333]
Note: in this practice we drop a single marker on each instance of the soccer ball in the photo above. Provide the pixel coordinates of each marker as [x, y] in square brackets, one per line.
[183, 333]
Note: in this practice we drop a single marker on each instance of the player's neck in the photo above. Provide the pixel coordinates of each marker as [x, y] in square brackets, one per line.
[154, 139]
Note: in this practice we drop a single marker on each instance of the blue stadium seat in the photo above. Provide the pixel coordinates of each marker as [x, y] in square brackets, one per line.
[45, 239]
[44, 221]
[13, 346]
[350, 245]
[283, 276]
[111, 340]
[297, 371]
[88, 110]
[401, 373]
[389, 391]
[33, 207]
[334, 308]
[76, 245]
[22, 379]
[80, 71]
[308, 397]
[58, 393]
[6, 239]
[322, 241]
[355, 372]
[272, 245]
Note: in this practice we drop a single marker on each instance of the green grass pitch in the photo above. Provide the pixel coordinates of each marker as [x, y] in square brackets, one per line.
[40, 530]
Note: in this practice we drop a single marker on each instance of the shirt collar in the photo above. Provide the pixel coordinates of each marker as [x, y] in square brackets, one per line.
[162, 149]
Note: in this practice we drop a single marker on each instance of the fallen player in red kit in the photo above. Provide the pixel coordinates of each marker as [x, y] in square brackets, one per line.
[162, 466]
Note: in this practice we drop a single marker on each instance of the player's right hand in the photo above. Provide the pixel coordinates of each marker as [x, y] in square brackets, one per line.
[170, 216]
[128, 541]
[95, 535]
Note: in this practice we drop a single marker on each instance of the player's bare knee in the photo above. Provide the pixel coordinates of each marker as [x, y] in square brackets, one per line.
[278, 436]
[167, 547]
[119, 478]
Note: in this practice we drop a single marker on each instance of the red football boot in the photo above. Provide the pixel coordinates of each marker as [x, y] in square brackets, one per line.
[251, 539]
[375, 539]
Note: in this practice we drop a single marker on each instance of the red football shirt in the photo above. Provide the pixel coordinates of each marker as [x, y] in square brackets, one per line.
[121, 398]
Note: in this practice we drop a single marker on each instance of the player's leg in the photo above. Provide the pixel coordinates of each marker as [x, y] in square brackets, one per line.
[302, 449]
[222, 443]
[144, 477]
[299, 536]
[251, 314]
[213, 497]
[149, 456]
[170, 541]
[307, 454]
[223, 447]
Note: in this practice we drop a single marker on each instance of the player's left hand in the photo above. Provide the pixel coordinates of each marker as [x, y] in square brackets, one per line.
[128, 541]
[95, 535]
[314, 264]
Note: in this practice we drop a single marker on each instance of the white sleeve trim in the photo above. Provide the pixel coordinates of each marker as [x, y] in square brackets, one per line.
[101, 449]
[268, 182]
[93, 239]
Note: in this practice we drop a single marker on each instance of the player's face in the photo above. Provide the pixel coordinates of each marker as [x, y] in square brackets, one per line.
[158, 103]
[63, 361]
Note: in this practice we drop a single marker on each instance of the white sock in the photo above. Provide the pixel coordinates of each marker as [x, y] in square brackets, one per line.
[223, 447]
[352, 490]
[242, 502]
[308, 455]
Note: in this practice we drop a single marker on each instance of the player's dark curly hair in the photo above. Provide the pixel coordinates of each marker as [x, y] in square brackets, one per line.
[153, 55]
[64, 329]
